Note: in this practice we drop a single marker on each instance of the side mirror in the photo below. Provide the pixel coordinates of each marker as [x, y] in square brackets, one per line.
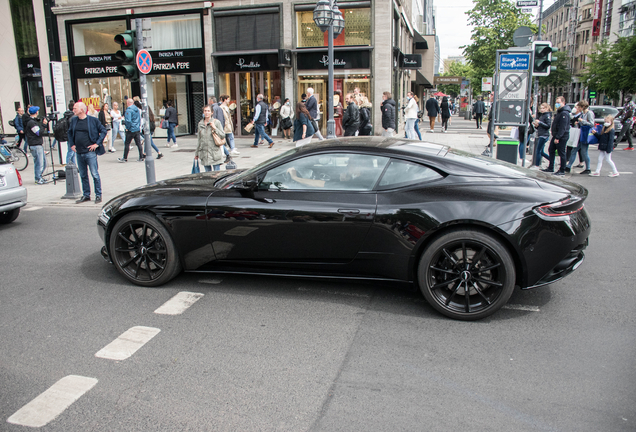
[248, 184]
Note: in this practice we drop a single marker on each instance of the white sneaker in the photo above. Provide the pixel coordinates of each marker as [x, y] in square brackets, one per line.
[431, 131]
[175, 145]
[235, 151]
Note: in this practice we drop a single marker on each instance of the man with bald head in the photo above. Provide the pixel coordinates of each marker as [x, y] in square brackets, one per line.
[86, 136]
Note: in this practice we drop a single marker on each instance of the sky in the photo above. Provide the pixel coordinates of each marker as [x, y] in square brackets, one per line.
[452, 25]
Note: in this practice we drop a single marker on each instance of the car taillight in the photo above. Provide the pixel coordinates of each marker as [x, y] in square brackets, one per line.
[19, 177]
[559, 210]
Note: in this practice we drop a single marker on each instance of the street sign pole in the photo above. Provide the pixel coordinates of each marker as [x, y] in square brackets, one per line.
[150, 159]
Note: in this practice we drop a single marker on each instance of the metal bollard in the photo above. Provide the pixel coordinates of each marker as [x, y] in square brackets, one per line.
[72, 183]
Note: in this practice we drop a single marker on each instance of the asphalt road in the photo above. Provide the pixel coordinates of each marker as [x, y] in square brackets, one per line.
[274, 354]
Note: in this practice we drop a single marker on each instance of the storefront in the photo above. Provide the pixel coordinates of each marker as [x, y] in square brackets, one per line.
[177, 74]
[352, 58]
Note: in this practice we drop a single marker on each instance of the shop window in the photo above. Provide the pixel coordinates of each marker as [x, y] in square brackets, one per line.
[247, 32]
[97, 37]
[97, 91]
[176, 32]
[357, 29]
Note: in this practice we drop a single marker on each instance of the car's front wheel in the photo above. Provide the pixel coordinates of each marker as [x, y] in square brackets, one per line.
[9, 216]
[466, 275]
[143, 251]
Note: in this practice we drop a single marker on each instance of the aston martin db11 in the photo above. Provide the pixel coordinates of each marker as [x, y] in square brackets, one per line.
[464, 229]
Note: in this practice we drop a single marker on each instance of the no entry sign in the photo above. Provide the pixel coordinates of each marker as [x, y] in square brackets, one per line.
[144, 61]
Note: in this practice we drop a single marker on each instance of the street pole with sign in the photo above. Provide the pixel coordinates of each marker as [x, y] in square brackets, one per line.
[143, 62]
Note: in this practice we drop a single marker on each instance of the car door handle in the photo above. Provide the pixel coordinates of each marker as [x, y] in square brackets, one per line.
[349, 211]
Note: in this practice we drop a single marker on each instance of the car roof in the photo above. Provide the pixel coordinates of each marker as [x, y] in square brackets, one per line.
[398, 145]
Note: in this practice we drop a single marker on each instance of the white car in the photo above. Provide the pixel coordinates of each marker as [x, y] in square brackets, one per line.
[12, 194]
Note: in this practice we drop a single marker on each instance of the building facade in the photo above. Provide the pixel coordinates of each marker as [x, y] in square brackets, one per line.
[203, 49]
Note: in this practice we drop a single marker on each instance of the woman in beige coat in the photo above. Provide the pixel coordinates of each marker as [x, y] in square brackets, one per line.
[210, 155]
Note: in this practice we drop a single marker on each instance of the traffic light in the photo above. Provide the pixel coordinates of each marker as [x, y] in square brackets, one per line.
[592, 94]
[127, 54]
[543, 58]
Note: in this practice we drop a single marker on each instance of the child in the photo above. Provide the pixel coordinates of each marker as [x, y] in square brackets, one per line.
[605, 146]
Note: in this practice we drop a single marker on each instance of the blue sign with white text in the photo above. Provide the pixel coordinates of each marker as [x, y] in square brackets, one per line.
[514, 62]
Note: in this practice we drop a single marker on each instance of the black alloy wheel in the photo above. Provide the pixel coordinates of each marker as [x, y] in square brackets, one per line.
[143, 251]
[466, 275]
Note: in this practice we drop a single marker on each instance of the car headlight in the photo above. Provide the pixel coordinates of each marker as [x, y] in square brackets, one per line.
[104, 216]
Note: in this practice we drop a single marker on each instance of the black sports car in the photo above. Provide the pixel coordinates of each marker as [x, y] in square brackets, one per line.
[465, 229]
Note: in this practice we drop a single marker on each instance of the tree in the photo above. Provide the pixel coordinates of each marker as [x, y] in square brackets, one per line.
[611, 69]
[560, 77]
[494, 22]
[455, 69]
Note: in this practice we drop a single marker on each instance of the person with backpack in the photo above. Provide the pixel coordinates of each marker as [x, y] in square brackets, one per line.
[60, 132]
[19, 126]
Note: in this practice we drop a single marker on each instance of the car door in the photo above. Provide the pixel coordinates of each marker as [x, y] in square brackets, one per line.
[285, 220]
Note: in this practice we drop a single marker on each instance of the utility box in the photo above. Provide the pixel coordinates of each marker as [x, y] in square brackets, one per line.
[72, 183]
[508, 150]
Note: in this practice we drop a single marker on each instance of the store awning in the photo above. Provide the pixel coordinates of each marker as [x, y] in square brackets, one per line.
[419, 42]
[420, 79]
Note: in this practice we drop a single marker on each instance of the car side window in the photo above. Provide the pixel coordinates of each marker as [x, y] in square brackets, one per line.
[327, 171]
[401, 173]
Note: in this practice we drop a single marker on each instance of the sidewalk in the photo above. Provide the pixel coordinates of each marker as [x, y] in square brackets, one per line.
[118, 178]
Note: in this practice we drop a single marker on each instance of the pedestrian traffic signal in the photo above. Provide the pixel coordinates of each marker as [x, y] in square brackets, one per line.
[127, 54]
[542, 65]
[592, 94]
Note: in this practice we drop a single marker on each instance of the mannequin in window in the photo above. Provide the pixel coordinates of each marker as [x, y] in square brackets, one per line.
[106, 99]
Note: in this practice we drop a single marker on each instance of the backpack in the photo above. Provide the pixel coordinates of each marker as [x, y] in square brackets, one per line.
[12, 123]
[60, 130]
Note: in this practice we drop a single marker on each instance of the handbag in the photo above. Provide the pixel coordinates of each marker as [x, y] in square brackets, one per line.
[195, 167]
[164, 124]
[248, 128]
[220, 142]
[573, 139]
[592, 138]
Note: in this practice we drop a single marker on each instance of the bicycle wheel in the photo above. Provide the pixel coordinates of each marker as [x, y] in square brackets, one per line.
[19, 158]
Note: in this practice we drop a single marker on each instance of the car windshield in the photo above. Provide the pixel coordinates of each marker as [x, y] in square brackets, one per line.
[248, 173]
[600, 112]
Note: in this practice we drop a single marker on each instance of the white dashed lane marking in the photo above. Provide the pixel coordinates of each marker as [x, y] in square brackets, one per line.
[50, 404]
[179, 303]
[32, 208]
[521, 307]
[210, 281]
[128, 343]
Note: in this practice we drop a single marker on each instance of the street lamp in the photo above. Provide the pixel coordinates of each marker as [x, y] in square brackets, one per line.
[328, 17]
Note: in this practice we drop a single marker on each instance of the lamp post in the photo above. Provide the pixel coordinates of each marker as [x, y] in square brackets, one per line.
[328, 17]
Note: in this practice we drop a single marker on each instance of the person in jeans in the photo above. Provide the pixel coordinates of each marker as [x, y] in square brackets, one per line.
[259, 120]
[35, 131]
[542, 124]
[86, 136]
[410, 114]
[312, 107]
[132, 118]
[229, 126]
[626, 118]
[351, 116]
[19, 126]
[117, 117]
[172, 118]
[446, 113]
[560, 135]
[585, 122]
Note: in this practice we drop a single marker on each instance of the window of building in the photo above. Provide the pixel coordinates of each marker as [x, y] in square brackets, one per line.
[247, 32]
[97, 37]
[176, 32]
[357, 29]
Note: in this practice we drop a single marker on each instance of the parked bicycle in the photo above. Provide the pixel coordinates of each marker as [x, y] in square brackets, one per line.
[15, 154]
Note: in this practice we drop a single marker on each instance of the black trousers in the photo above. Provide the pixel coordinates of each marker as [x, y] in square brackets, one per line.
[350, 130]
[478, 119]
[129, 137]
[560, 147]
[20, 138]
[627, 130]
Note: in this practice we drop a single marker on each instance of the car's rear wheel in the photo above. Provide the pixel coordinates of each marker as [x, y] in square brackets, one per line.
[9, 216]
[466, 275]
[143, 251]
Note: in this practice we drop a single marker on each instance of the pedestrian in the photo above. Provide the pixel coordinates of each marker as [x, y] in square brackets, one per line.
[627, 119]
[35, 131]
[303, 127]
[560, 134]
[116, 117]
[388, 114]
[208, 152]
[303, 98]
[542, 124]
[19, 126]
[365, 117]
[172, 117]
[132, 119]
[446, 113]
[229, 125]
[25, 120]
[91, 111]
[479, 109]
[286, 118]
[432, 108]
[410, 114]
[351, 116]
[152, 123]
[259, 120]
[86, 136]
[585, 123]
[420, 113]
[605, 147]
[106, 120]
[312, 107]
[61, 133]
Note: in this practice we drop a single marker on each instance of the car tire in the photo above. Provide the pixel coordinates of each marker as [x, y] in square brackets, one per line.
[9, 216]
[143, 250]
[466, 274]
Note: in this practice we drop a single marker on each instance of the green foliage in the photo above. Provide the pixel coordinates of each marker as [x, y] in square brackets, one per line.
[455, 69]
[494, 22]
[611, 69]
[560, 77]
